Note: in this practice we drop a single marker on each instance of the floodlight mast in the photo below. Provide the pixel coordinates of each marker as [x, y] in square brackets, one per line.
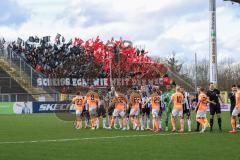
[213, 42]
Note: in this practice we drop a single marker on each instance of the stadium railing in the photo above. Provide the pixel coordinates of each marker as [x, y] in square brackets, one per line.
[22, 97]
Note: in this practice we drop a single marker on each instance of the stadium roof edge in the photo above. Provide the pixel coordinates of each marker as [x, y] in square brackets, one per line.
[234, 1]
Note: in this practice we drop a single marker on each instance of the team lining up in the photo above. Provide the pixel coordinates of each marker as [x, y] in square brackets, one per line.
[136, 108]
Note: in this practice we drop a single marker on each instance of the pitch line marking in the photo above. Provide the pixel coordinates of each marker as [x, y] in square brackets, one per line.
[90, 138]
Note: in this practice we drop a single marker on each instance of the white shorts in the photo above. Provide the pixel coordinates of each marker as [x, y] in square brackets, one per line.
[235, 112]
[92, 111]
[134, 112]
[155, 113]
[177, 113]
[201, 114]
[78, 113]
[118, 112]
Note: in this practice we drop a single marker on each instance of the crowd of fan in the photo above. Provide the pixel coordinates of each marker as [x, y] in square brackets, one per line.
[85, 60]
[55, 60]
[88, 60]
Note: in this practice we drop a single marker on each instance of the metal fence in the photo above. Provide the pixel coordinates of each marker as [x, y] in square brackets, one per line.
[19, 63]
[25, 97]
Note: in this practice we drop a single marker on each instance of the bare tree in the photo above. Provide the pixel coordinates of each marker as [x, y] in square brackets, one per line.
[174, 64]
[176, 71]
[184, 74]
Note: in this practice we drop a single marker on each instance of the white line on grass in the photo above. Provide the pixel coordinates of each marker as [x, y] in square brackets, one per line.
[90, 138]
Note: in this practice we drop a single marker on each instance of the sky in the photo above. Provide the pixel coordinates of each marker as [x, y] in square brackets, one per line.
[161, 27]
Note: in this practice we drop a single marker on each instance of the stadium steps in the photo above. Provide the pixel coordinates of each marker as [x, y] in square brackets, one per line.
[23, 80]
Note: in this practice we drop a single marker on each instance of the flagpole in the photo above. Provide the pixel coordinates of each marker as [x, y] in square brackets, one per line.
[110, 64]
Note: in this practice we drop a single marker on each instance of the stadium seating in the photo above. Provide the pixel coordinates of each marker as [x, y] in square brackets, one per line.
[11, 88]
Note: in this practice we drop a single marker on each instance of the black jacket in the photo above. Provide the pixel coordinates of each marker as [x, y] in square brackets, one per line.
[232, 98]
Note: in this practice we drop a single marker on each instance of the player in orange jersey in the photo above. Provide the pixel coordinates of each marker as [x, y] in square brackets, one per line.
[177, 100]
[155, 100]
[236, 111]
[92, 101]
[134, 105]
[79, 103]
[202, 109]
[120, 102]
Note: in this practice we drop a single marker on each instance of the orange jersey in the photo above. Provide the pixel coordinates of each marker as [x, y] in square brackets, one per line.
[178, 99]
[120, 102]
[92, 99]
[136, 100]
[136, 106]
[202, 102]
[79, 102]
[238, 99]
[155, 101]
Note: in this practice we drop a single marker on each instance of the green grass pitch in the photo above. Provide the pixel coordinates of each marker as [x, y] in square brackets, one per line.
[34, 136]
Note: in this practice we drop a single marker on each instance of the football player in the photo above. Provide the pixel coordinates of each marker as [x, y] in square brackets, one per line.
[202, 109]
[155, 102]
[167, 95]
[79, 103]
[92, 101]
[187, 109]
[145, 110]
[177, 100]
[134, 105]
[120, 102]
[236, 111]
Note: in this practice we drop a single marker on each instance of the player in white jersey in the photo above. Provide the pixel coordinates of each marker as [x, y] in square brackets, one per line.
[187, 109]
[145, 110]
[101, 111]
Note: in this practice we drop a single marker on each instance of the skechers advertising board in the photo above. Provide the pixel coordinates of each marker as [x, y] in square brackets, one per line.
[50, 107]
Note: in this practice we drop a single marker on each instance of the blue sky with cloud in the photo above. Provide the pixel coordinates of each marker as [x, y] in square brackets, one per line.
[162, 26]
[12, 14]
